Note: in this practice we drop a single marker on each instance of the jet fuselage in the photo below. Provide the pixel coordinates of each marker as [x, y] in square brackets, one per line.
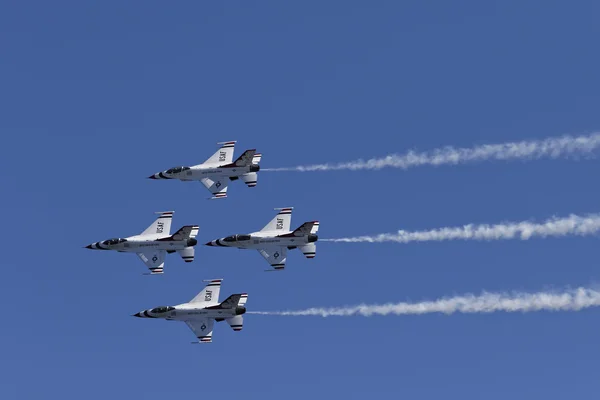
[260, 240]
[136, 244]
[199, 172]
[186, 312]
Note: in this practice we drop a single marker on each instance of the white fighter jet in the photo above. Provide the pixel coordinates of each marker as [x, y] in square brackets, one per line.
[216, 172]
[203, 310]
[155, 242]
[275, 239]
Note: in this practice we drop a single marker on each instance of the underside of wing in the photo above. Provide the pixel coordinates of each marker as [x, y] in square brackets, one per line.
[154, 260]
[275, 256]
[217, 186]
[202, 328]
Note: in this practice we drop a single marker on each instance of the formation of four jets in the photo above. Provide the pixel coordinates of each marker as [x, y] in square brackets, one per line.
[272, 242]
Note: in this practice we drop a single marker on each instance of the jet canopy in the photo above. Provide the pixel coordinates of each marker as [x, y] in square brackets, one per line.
[114, 241]
[176, 170]
[237, 238]
[162, 309]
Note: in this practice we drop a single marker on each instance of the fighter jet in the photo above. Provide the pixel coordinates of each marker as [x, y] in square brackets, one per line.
[203, 310]
[216, 172]
[275, 239]
[155, 242]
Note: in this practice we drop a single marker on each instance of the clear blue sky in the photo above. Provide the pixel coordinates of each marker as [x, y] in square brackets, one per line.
[96, 96]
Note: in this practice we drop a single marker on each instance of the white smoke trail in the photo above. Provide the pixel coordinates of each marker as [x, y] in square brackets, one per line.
[572, 300]
[556, 147]
[554, 227]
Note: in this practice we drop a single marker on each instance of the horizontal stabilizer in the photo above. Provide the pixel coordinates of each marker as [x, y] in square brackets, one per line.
[187, 254]
[250, 179]
[309, 250]
[256, 158]
[237, 322]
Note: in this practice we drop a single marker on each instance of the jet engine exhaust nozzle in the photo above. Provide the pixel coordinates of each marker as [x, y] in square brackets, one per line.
[254, 168]
[312, 238]
[192, 242]
[240, 310]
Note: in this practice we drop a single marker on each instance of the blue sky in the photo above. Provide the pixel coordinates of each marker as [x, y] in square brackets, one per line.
[96, 96]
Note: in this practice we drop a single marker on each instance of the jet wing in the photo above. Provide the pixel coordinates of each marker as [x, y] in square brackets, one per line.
[223, 156]
[217, 186]
[275, 256]
[154, 260]
[161, 226]
[281, 222]
[210, 294]
[202, 328]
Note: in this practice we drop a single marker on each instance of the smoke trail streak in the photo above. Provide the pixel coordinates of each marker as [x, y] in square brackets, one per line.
[524, 230]
[557, 147]
[572, 300]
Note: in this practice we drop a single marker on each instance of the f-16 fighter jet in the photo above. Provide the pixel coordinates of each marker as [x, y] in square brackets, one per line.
[275, 239]
[155, 242]
[216, 172]
[203, 310]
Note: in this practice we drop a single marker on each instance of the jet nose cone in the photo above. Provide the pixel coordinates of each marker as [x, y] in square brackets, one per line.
[209, 244]
[139, 315]
[89, 246]
[152, 177]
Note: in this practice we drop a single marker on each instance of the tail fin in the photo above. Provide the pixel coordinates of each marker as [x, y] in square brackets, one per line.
[186, 232]
[245, 159]
[307, 228]
[234, 300]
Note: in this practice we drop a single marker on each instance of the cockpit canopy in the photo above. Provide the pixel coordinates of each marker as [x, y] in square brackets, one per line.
[176, 170]
[111, 242]
[162, 309]
[237, 238]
